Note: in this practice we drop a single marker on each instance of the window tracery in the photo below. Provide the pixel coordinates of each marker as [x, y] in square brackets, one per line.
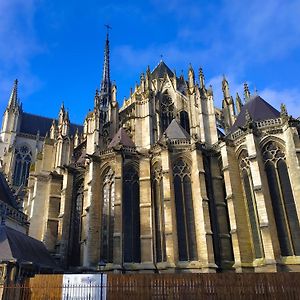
[187, 246]
[251, 203]
[76, 224]
[184, 121]
[108, 214]
[131, 214]
[166, 111]
[283, 202]
[23, 157]
[158, 214]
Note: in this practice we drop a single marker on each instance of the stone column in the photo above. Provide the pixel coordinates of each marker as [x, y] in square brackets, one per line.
[201, 214]
[118, 221]
[292, 152]
[65, 216]
[146, 215]
[39, 207]
[93, 203]
[169, 211]
[261, 193]
[241, 238]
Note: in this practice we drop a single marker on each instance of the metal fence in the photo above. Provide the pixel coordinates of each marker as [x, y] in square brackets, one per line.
[163, 286]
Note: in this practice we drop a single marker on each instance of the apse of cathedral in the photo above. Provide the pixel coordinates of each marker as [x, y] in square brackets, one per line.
[165, 183]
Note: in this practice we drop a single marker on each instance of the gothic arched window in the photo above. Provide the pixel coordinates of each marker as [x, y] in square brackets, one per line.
[23, 157]
[108, 214]
[131, 214]
[184, 121]
[166, 111]
[251, 204]
[158, 214]
[76, 224]
[283, 202]
[187, 246]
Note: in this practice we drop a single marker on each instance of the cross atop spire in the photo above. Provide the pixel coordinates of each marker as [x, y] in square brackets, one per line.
[107, 29]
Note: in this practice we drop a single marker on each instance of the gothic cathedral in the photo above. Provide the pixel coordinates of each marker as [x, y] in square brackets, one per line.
[165, 183]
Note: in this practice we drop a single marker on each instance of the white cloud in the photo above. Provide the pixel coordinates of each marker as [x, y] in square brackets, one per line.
[235, 86]
[290, 97]
[18, 45]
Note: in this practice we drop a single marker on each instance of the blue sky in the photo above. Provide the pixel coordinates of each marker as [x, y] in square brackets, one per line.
[55, 48]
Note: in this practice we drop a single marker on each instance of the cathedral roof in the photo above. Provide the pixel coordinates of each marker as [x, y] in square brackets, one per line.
[30, 124]
[121, 138]
[17, 246]
[160, 70]
[258, 110]
[176, 131]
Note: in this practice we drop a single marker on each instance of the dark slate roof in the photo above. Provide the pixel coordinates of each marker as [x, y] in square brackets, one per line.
[160, 70]
[6, 194]
[176, 131]
[30, 124]
[258, 110]
[121, 138]
[17, 246]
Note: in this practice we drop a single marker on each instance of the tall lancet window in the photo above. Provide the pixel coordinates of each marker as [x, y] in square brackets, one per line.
[158, 214]
[107, 228]
[166, 111]
[187, 246]
[23, 157]
[76, 224]
[251, 204]
[131, 214]
[184, 121]
[283, 202]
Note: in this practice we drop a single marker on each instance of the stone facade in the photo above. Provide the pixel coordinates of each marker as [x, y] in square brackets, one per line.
[165, 183]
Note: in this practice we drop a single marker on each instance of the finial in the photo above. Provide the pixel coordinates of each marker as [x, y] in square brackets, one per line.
[246, 92]
[225, 88]
[201, 78]
[161, 58]
[283, 110]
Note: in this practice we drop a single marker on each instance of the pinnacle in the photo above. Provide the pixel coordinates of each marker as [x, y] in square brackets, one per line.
[13, 100]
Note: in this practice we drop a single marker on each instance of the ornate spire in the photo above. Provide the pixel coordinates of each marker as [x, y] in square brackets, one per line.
[105, 89]
[13, 100]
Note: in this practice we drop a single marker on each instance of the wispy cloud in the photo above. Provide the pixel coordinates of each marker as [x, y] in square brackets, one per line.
[290, 97]
[18, 45]
[230, 33]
